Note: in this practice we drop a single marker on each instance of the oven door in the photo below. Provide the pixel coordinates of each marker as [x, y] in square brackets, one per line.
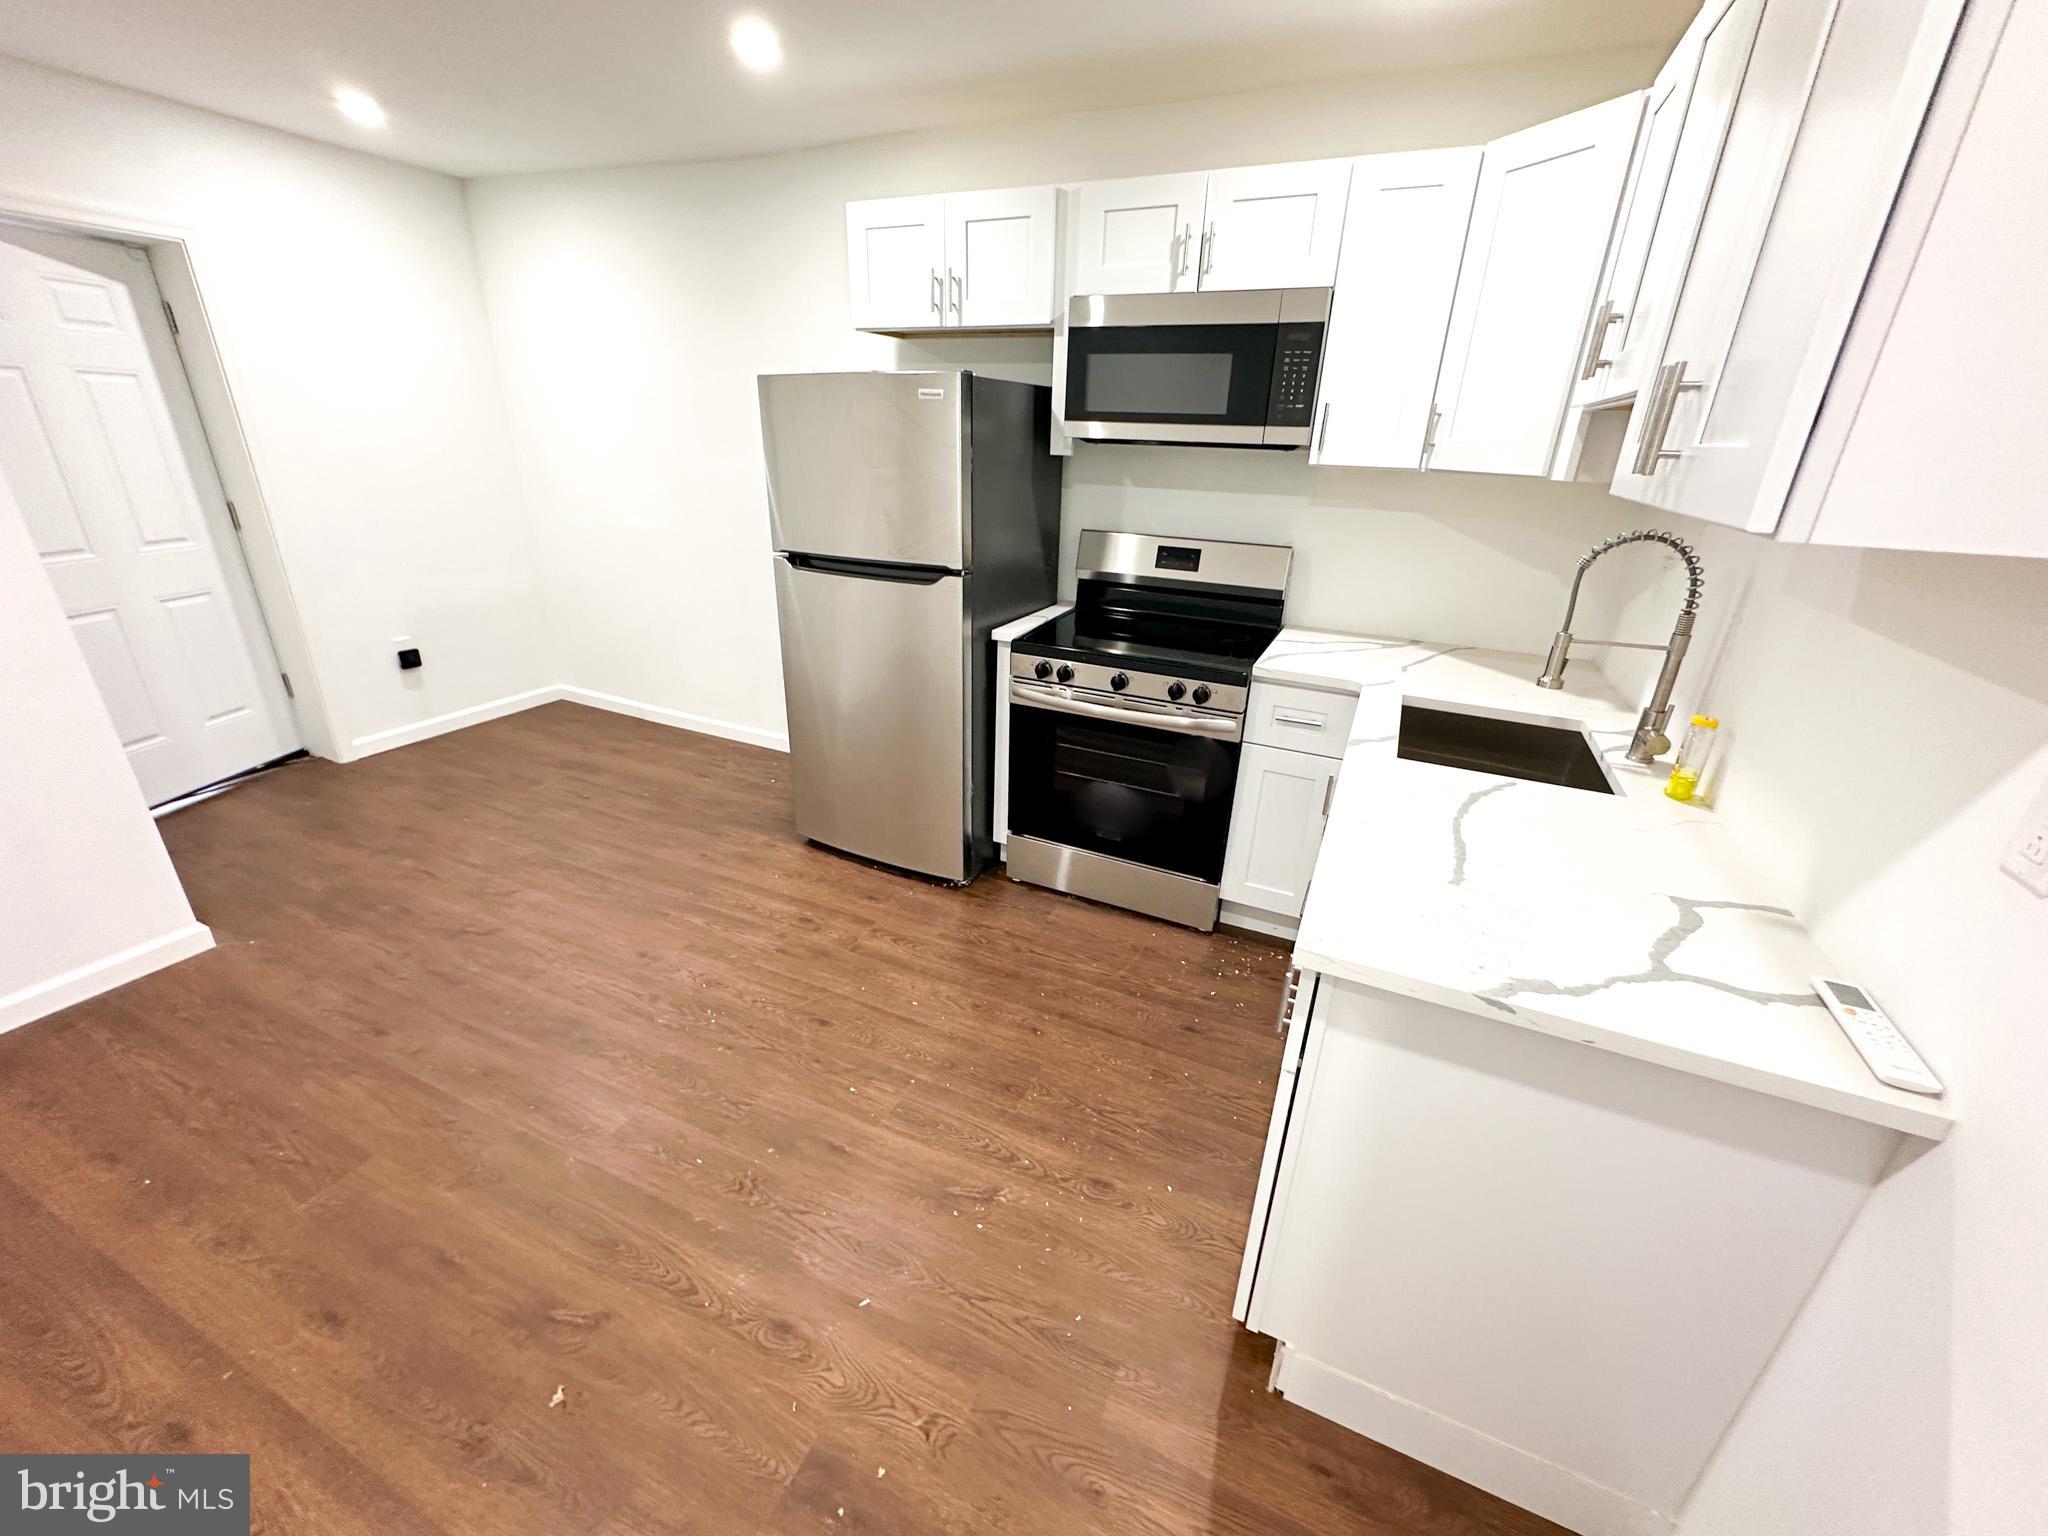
[1227, 368]
[1124, 779]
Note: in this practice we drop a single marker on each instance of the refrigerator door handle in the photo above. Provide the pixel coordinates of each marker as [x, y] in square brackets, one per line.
[870, 570]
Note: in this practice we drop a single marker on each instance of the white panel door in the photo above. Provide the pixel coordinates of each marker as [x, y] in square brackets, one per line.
[1545, 207]
[1404, 231]
[1276, 827]
[1274, 226]
[102, 454]
[999, 256]
[1138, 235]
[896, 263]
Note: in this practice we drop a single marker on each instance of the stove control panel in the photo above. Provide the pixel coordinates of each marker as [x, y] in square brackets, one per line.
[1210, 698]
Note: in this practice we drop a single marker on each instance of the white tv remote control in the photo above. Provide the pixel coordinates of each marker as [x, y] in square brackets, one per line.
[1888, 1054]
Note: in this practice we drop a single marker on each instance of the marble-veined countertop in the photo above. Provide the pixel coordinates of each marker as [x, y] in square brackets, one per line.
[1627, 922]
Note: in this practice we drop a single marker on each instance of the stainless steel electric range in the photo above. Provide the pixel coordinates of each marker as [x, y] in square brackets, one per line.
[1127, 718]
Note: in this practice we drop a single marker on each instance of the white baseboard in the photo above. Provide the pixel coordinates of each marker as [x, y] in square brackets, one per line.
[513, 703]
[1541, 1487]
[753, 736]
[454, 720]
[75, 986]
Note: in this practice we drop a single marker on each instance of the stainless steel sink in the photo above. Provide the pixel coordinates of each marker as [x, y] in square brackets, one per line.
[1515, 749]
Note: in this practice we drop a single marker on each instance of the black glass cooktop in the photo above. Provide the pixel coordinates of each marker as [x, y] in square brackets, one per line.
[1208, 650]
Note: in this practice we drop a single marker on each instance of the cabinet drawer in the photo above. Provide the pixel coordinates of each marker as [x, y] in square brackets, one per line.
[1300, 719]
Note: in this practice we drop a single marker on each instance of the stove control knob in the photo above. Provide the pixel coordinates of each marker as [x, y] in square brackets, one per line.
[1201, 693]
[1043, 669]
[1175, 691]
[1120, 682]
[1066, 673]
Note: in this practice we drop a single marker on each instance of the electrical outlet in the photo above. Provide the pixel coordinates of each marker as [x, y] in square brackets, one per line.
[2026, 860]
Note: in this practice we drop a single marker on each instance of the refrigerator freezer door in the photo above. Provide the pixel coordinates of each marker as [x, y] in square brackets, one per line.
[868, 466]
[874, 674]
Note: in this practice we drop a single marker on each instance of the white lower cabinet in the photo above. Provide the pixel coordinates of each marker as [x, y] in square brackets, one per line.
[1276, 826]
[1549, 1270]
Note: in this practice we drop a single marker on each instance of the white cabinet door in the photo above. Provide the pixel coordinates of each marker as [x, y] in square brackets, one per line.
[1540, 224]
[1620, 337]
[1138, 235]
[1404, 229]
[1274, 226]
[1276, 827]
[999, 256]
[896, 262]
[1825, 114]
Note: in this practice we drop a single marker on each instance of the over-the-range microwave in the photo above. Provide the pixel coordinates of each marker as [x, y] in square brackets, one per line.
[1232, 368]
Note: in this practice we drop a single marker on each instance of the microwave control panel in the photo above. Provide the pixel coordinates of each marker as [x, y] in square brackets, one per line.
[1297, 355]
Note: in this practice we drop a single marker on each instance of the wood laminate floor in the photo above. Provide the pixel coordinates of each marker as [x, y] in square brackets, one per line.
[543, 1055]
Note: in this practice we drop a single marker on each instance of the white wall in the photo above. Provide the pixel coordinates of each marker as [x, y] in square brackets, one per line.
[88, 898]
[1888, 723]
[343, 294]
[634, 308]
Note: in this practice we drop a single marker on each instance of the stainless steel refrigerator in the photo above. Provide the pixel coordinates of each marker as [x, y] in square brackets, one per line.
[911, 514]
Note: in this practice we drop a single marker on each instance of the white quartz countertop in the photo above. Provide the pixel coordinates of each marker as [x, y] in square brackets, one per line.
[1627, 922]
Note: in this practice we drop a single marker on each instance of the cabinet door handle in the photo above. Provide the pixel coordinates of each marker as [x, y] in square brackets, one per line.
[959, 292]
[1429, 434]
[1307, 719]
[1665, 389]
[1323, 431]
[1187, 249]
[1596, 339]
[938, 300]
[1329, 789]
[1208, 250]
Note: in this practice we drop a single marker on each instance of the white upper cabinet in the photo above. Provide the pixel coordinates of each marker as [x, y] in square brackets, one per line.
[1533, 256]
[1800, 127]
[1404, 229]
[1621, 333]
[999, 256]
[1260, 226]
[896, 262]
[1138, 235]
[974, 259]
[1274, 226]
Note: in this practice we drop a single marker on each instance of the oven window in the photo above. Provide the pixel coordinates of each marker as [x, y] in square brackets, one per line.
[1172, 383]
[1125, 791]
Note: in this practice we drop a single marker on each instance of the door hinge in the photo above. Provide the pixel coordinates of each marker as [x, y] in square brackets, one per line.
[171, 317]
[234, 517]
[289, 692]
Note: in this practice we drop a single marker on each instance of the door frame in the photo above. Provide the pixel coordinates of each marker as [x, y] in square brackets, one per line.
[171, 261]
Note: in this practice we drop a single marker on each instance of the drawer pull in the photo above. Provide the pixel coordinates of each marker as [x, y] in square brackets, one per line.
[1307, 720]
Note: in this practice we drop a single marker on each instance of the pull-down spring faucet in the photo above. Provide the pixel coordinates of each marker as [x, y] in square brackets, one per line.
[1649, 739]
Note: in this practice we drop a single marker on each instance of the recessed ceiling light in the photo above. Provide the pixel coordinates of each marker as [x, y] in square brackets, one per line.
[359, 107]
[756, 43]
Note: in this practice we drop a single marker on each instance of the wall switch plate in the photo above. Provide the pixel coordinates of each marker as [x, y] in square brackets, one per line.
[2026, 860]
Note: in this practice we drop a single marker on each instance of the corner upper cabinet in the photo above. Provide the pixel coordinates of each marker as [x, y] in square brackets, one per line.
[1138, 235]
[1541, 219]
[958, 261]
[1404, 227]
[1259, 226]
[1804, 118]
[1274, 226]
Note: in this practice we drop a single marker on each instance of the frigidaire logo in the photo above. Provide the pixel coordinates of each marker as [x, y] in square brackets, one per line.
[165, 1495]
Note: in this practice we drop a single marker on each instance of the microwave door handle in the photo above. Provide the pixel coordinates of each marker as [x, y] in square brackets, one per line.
[1157, 717]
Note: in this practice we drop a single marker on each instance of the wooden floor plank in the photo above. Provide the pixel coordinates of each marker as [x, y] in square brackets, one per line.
[544, 1054]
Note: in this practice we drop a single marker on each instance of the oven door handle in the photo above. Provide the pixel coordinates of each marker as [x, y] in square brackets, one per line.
[1157, 717]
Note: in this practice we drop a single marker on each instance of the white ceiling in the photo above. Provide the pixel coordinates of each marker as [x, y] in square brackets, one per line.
[477, 87]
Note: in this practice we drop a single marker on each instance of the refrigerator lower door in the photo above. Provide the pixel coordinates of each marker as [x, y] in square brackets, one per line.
[874, 673]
